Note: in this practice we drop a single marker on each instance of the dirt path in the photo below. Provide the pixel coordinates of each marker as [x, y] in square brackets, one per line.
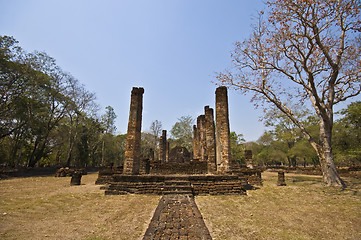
[177, 217]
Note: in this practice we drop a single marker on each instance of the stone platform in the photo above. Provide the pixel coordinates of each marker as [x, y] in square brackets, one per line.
[177, 184]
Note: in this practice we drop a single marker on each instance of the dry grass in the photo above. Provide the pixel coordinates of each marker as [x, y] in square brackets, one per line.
[304, 209]
[49, 208]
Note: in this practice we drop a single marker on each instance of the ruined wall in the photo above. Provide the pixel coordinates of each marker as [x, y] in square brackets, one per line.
[200, 184]
[193, 167]
[132, 149]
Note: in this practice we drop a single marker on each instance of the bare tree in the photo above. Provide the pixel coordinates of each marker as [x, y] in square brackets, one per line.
[155, 130]
[303, 50]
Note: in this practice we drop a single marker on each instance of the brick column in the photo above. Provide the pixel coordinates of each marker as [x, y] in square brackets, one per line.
[132, 149]
[202, 137]
[163, 147]
[195, 143]
[167, 151]
[210, 140]
[222, 131]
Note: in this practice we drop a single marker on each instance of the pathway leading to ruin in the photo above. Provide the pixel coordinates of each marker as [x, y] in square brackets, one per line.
[177, 217]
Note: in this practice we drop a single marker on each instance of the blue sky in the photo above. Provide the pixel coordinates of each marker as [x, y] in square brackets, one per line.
[172, 48]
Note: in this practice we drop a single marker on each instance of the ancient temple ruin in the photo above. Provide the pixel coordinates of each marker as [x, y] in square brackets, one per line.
[209, 170]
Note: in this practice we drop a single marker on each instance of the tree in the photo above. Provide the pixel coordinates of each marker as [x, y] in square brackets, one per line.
[155, 130]
[108, 120]
[182, 132]
[237, 150]
[347, 135]
[304, 50]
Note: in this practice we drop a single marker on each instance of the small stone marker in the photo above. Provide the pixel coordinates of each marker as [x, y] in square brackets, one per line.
[281, 179]
[76, 178]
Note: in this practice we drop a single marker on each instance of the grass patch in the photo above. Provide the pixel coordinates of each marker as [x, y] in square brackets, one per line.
[304, 209]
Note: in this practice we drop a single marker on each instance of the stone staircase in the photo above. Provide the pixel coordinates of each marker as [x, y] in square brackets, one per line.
[177, 185]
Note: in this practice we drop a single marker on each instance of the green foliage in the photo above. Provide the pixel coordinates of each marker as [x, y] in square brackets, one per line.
[182, 132]
[108, 120]
[347, 136]
[237, 150]
[47, 117]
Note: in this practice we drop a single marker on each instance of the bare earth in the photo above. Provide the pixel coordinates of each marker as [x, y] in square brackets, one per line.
[304, 209]
[49, 208]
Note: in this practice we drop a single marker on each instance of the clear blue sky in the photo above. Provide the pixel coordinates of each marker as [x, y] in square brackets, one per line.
[172, 48]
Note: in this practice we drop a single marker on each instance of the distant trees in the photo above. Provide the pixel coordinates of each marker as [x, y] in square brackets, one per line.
[47, 117]
[237, 148]
[182, 132]
[286, 145]
[303, 50]
[347, 136]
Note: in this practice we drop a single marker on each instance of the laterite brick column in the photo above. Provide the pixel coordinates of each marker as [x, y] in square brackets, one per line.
[163, 147]
[132, 149]
[195, 143]
[210, 140]
[222, 131]
[202, 137]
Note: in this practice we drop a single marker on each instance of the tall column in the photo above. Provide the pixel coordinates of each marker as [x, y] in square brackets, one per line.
[132, 149]
[167, 151]
[202, 137]
[222, 130]
[210, 140]
[162, 147]
[195, 142]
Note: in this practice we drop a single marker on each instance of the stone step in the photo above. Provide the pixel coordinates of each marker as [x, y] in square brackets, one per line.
[177, 187]
[177, 192]
[177, 182]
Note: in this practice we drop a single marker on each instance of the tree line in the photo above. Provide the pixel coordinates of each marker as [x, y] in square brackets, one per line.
[284, 144]
[47, 116]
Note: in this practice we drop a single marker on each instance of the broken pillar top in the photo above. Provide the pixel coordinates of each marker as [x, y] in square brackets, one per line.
[221, 89]
[137, 90]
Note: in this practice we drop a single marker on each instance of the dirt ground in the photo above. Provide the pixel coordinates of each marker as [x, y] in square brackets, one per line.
[49, 208]
[304, 209]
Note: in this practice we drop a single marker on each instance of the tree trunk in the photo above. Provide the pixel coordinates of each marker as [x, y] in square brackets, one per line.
[324, 152]
[103, 146]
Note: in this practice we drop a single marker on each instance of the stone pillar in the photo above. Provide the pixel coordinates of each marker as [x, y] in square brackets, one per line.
[202, 137]
[167, 152]
[163, 147]
[151, 155]
[210, 140]
[151, 159]
[76, 178]
[248, 156]
[222, 131]
[195, 143]
[281, 179]
[132, 149]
